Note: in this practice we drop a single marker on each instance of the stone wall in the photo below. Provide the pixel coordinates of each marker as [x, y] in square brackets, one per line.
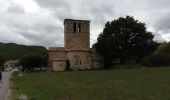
[79, 60]
[57, 58]
[59, 65]
[57, 53]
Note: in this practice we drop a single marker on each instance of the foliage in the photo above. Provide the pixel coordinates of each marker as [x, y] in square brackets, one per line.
[44, 59]
[124, 39]
[30, 61]
[161, 57]
[16, 51]
[119, 84]
[164, 48]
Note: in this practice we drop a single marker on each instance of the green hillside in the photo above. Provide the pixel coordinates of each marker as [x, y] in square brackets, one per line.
[15, 51]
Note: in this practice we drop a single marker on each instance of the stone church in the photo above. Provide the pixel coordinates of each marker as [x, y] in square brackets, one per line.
[76, 53]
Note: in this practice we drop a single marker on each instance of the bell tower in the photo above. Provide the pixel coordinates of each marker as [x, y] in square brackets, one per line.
[76, 34]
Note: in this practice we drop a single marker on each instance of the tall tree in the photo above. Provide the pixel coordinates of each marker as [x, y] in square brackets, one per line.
[123, 39]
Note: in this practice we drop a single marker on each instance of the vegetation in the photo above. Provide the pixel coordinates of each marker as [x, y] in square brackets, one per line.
[119, 84]
[31, 61]
[15, 51]
[161, 57]
[124, 40]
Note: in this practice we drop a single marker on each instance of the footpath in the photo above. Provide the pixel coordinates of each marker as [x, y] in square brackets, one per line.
[4, 87]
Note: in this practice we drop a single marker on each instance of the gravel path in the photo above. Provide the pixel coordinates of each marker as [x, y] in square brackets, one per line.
[4, 87]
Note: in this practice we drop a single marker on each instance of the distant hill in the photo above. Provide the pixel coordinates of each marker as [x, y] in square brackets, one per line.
[15, 51]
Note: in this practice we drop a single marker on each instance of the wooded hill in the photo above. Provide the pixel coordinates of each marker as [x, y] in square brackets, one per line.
[15, 51]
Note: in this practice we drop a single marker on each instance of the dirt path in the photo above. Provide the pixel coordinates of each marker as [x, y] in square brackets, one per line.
[5, 86]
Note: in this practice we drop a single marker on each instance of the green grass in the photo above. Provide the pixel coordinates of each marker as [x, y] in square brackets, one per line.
[118, 84]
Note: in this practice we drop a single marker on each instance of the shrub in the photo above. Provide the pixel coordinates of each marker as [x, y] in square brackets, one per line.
[161, 57]
[30, 61]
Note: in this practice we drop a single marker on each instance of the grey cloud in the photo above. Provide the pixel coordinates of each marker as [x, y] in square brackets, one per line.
[45, 31]
[7, 36]
[16, 9]
[44, 39]
[52, 3]
[163, 23]
[98, 11]
[46, 28]
[40, 33]
[158, 37]
[101, 13]
[157, 4]
[61, 15]
[163, 26]
[60, 9]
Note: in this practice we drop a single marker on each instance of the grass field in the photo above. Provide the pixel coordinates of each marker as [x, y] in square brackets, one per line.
[118, 84]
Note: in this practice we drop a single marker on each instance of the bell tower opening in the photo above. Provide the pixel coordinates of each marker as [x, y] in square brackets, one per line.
[74, 27]
[79, 27]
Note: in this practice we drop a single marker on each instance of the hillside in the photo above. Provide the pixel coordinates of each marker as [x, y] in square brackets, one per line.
[15, 51]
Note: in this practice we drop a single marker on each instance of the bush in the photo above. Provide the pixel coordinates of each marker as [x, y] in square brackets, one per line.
[161, 57]
[30, 61]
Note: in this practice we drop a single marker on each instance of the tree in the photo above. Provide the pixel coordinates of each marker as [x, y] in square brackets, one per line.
[30, 61]
[124, 39]
[45, 59]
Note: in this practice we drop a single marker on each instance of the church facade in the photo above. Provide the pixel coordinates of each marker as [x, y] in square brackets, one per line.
[76, 53]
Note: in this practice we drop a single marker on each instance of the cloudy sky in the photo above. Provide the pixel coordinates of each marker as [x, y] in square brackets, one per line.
[40, 22]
